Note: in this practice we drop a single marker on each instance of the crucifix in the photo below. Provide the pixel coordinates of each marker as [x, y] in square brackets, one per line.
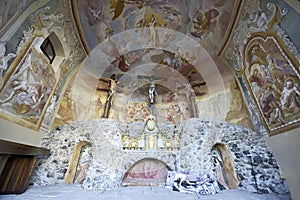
[152, 92]
[112, 83]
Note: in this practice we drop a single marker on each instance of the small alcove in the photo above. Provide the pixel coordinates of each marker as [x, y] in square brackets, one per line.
[146, 172]
[79, 163]
[224, 168]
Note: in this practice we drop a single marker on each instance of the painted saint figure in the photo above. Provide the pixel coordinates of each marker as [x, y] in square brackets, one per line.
[84, 164]
[290, 97]
[219, 172]
[152, 31]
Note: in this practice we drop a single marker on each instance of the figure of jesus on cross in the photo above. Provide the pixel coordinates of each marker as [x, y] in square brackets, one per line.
[152, 91]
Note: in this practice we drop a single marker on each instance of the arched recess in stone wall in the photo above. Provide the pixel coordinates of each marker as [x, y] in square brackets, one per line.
[79, 163]
[224, 168]
[146, 172]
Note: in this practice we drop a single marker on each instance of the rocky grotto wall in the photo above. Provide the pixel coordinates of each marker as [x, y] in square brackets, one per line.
[253, 165]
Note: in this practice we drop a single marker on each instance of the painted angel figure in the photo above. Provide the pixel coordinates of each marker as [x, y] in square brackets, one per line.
[4, 60]
[152, 31]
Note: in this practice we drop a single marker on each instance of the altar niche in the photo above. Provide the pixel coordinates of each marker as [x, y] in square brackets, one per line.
[148, 136]
[146, 172]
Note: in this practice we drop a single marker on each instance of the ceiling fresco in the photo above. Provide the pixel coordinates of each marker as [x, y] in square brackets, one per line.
[175, 64]
[205, 22]
[170, 43]
[120, 48]
[10, 10]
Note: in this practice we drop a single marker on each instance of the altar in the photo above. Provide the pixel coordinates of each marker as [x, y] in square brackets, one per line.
[144, 150]
[147, 136]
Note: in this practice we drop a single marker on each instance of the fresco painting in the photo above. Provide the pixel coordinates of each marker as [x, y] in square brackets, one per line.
[137, 111]
[274, 81]
[205, 21]
[146, 172]
[28, 89]
[265, 60]
[174, 113]
[9, 10]
[84, 161]
[259, 51]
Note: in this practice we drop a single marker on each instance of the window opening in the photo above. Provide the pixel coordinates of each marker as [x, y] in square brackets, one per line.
[48, 49]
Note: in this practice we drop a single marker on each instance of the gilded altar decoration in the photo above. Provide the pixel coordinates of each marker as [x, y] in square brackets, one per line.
[151, 137]
[151, 126]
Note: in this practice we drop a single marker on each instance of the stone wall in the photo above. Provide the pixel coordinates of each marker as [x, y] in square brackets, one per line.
[254, 165]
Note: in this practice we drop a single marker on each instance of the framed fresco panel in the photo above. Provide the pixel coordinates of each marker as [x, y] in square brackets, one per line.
[27, 91]
[273, 79]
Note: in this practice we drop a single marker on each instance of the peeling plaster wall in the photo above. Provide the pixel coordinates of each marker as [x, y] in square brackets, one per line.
[254, 164]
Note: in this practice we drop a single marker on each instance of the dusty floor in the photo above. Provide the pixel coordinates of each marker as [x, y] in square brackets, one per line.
[73, 192]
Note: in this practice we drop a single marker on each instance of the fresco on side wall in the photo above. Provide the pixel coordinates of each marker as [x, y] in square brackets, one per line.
[29, 87]
[266, 60]
[274, 81]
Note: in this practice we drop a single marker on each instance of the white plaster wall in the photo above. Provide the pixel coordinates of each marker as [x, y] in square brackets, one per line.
[286, 148]
[15, 133]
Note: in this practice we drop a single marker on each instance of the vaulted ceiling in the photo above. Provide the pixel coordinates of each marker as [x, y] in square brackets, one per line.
[188, 49]
[182, 49]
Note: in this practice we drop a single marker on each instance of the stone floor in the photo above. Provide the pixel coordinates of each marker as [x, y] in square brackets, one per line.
[74, 192]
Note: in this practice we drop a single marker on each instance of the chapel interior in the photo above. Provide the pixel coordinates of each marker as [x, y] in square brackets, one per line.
[115, 93]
